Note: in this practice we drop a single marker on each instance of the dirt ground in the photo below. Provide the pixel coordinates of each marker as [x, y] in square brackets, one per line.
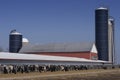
[111, 74]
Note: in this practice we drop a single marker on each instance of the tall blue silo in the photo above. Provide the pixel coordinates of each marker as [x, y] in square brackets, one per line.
[15, 41]
[101, 32]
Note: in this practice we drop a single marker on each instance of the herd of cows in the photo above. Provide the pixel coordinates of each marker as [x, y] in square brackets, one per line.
[7, 69]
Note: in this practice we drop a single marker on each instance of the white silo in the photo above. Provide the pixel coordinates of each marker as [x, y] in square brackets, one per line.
[25, 41]
[111, 39]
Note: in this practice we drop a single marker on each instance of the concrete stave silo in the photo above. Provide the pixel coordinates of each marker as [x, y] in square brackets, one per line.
[111, 39]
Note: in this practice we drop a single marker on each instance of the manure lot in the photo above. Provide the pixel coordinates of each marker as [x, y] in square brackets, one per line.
[98, 74]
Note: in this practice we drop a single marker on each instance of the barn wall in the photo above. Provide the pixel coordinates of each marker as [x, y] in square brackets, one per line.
[86, 55]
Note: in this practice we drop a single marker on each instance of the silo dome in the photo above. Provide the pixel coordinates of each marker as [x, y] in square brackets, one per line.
[14, 32]
[109, 22]
[25, 41]
[102, 8]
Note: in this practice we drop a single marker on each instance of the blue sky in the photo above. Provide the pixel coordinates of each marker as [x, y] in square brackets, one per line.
[48, 21]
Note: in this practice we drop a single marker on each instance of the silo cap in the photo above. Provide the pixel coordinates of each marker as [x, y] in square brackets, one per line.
[14, 32]
[111, 19]
[25, 40]
[102, 8]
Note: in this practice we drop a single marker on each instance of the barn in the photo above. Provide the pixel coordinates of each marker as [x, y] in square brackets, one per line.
[23, 59]
[85, 50]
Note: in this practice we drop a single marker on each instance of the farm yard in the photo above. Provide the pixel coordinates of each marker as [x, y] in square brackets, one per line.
[59, 72]
[95, 74]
